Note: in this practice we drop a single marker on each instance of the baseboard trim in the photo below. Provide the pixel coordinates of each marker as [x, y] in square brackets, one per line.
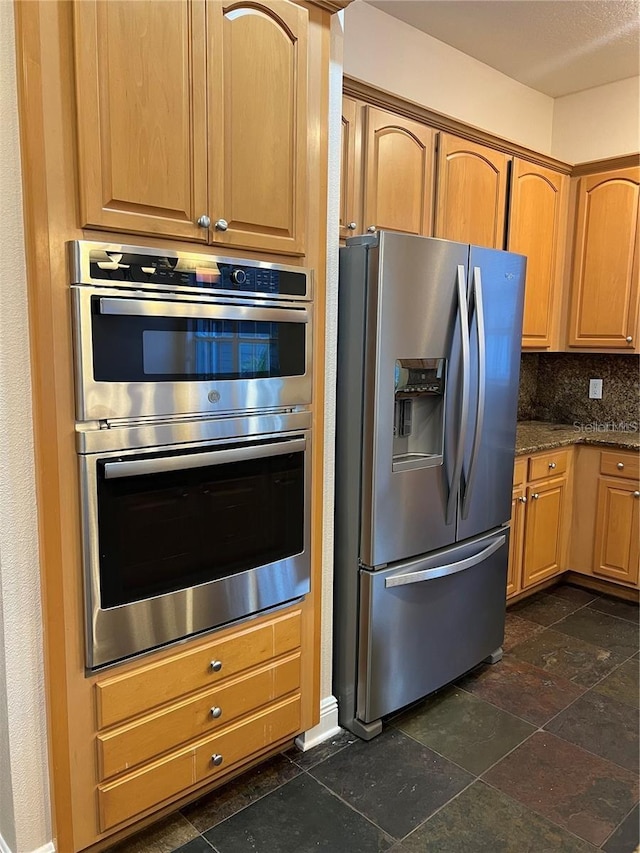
[327, 727]
[46, 848]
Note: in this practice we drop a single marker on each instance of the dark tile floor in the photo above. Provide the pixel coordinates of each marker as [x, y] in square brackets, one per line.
[537, 754]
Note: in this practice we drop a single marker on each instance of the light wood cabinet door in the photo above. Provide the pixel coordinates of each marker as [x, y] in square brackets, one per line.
[516, 539]
[617, 530]
[604, 298]
[350, 169]
[398, 189]
[537, 225]
[141, 115]
[257, 117]
[544, 531]
[471, 193]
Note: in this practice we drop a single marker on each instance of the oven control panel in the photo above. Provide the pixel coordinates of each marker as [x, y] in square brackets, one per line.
[140, 267]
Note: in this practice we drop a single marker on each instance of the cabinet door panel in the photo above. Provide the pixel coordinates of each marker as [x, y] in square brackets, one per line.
[140, 83]
[514, 576]
[471, 193]
[350, 193]
[617, 532]
[543, 537]
[537, 222]
[398, 193]
[257, 56]
[604, 305]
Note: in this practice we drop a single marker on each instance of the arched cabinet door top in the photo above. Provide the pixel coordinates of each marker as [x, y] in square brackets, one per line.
[403, 131]
[481, 158]
[258, 134]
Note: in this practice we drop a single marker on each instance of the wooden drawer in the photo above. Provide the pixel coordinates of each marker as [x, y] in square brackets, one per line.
[154, 783]
[548, 464]
[124, 696]
[169, 728]
[620, 464]
[519, 470]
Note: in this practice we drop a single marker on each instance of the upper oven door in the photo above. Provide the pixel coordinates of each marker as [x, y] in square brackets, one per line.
[139, 355]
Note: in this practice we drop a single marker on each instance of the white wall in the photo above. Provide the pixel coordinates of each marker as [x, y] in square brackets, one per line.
[597, 123]
[24, 793]
[392, 55]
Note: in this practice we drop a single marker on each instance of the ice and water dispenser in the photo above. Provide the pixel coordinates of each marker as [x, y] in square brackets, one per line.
[418, 425]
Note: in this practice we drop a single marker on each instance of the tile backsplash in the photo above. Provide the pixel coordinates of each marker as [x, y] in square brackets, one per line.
[555, 387]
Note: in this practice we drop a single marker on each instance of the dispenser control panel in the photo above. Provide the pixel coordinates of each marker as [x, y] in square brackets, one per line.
[416, 376]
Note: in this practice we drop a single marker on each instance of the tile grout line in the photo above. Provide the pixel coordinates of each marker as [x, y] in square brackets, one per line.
[635, 805]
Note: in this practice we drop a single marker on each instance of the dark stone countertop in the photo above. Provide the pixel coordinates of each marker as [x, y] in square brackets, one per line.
[533, 436]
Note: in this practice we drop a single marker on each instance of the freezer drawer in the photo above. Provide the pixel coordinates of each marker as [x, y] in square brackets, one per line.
[426, 621]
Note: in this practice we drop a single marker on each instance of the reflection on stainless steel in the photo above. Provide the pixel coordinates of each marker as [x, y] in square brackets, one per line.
[118, 632]
[428, 352]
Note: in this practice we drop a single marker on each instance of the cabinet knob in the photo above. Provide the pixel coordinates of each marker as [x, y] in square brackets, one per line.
[221, 225]
[352, 226]
[636, 494]
[216, 759]
[552, 465]
[216, 712]
[629, 339]
[522, 500]
[620, 466]
[204, 221]
[371, 229]
[535, 496]
[216, 665]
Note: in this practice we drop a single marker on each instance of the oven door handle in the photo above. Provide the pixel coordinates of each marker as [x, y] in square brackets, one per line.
[160, 465]
[200, 311]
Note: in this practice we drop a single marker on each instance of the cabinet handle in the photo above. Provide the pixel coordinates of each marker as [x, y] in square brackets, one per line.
[620, 466]
[535, 496]
[636, 494]
[552, 465]
[629, 339]
[204, 221]
[216, 712]
[221, 225]
[522, 500]
[216, 759]
[216, 665]
[371, 229]
[352, 226]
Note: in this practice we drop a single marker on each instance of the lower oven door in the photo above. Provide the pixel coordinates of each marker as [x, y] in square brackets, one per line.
[178, 540]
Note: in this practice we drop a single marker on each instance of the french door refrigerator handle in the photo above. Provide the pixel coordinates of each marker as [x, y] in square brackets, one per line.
[163, 464]
[464, 406]
[448, 569]
[482, 376]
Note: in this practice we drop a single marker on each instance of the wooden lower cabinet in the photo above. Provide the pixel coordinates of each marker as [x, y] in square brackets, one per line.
[617, 530]
[166, 727]
[539, 519]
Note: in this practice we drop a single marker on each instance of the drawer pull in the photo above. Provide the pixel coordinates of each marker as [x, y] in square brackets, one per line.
[636, 494]
[216, 712]
[216, 665]
[522, 500]
[620, 466]
[535, 496]
[552, 465]
[216, 759]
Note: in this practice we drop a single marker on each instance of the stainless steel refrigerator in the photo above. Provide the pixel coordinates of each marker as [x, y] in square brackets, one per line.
[428, 366]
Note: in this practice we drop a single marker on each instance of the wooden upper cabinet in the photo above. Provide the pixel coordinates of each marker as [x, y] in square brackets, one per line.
[142, 144]
[257, 75]
[471, 192]
[537, 226]
[350, 171]
[604, 297]
[398, 191]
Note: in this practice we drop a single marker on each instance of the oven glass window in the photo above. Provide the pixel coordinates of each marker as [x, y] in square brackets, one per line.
[139, 349]
[161, 532]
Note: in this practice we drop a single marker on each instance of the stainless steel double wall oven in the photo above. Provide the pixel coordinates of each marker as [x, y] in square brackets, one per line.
[193, 393]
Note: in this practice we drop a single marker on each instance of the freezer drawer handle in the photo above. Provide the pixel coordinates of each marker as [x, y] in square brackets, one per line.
[443, 571]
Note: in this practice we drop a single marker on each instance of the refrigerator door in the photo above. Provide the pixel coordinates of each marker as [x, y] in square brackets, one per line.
[427, 621]
[496, 297]
[417, 287]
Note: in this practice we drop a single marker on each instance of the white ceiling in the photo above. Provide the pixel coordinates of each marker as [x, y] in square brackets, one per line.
[555, 46]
